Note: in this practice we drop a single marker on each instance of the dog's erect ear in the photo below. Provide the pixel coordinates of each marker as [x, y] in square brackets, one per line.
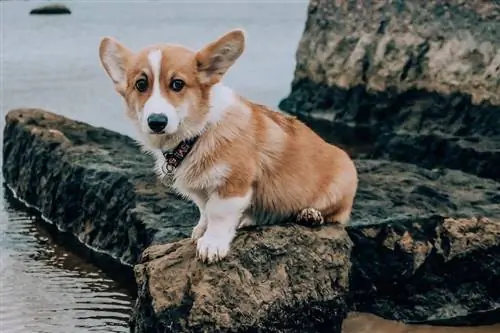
[114, 58]
[215, 59]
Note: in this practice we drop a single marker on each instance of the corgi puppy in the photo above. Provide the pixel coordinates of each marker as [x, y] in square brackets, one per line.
[240, 162]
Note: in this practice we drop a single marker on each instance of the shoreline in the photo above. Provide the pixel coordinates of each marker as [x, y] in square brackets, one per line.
[354, 322]
[121, 273]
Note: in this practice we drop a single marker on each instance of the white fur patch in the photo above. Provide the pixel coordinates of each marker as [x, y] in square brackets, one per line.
[157, 103]
[200, 200]
[186, 182]
[221, 98]
[223, 217]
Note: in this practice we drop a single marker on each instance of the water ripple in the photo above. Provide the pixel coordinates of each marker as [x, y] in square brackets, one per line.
[44, 288]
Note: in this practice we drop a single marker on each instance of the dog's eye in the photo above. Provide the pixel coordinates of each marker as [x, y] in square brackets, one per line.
[177, 85]
[141, 85]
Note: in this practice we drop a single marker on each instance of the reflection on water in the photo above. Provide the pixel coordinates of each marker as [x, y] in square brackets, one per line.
[44, 288]
[368, 323]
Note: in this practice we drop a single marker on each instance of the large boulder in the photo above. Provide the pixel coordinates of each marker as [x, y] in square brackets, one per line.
[279, 279]
[418, 81]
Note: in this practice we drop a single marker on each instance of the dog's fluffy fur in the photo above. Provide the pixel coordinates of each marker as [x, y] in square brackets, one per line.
[250, 164]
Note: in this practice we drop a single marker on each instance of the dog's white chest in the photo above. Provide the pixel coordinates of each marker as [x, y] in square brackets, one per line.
[187, 178]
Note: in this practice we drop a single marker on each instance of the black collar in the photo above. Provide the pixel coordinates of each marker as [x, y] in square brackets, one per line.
[174, 157]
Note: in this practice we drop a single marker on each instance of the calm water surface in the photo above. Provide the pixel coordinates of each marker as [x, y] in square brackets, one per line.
[45, 288]
[52, 62]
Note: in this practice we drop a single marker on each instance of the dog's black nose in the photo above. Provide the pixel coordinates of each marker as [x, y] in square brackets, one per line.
[157, 122]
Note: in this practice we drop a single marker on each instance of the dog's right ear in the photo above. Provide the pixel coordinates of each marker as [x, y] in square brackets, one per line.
[214, 59]
[114, 58]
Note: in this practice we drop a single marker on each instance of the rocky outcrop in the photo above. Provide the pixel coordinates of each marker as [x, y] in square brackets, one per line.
[279, 279]
[428, 270]
[91, 182]
[400, 258]
[50, 9]
[417, 80]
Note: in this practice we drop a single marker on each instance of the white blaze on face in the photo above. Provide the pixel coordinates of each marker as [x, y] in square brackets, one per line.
[157, 103]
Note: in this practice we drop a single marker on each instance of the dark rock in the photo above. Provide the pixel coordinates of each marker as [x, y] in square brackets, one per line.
[277, 279]
[384, 74]
[97, 185]
[368, 323]
[91, 182]
[426, 270]
[51, 9]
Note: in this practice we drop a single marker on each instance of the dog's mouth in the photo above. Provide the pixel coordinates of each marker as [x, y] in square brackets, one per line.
[157, 133]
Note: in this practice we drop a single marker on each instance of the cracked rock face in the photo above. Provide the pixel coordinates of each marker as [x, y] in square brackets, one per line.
[428, 270]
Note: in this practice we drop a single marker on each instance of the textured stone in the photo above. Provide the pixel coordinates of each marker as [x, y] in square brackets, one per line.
[91, 182]
[276, 279]
[417, 80]
[427, 270]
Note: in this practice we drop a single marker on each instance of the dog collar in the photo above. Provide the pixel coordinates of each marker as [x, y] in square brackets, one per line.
[174, 157]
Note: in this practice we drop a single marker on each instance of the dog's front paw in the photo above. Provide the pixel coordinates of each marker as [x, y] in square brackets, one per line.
[213, 247]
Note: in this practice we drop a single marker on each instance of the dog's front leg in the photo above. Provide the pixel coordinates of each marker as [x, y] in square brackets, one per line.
[199, 229]
[223, 215]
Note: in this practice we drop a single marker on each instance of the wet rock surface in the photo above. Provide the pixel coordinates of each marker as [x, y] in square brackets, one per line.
[419, 80]
[91, 182]
[368, 323]
[408, 261]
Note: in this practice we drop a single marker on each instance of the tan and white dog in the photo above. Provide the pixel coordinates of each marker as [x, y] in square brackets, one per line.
[240, 162]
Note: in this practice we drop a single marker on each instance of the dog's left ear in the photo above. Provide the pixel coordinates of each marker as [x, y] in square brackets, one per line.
[214, 60]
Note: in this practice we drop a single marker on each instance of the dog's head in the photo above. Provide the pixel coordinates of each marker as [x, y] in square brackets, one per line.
[167, 87]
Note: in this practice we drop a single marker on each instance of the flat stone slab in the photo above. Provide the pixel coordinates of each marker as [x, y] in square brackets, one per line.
[368, 323]
[91, 182]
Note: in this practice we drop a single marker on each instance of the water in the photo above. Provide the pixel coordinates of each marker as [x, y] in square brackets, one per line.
[45, 288]
[52, 62]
